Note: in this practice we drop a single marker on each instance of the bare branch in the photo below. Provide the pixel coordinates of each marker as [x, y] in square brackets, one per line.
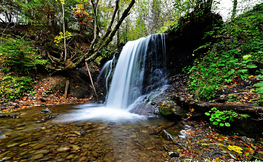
[107, 41]
[95, 10]
[111, 23]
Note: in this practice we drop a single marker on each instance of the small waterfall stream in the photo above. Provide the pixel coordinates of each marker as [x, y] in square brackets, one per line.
[141, 68]
[145, 56]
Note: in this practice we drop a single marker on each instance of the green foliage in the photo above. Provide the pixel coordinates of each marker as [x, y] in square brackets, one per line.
[259, 86]
[239, 46]
[12, 88]
[104, 53]
[223, 118]
[19, 58]
[19, 55]
[173, 28]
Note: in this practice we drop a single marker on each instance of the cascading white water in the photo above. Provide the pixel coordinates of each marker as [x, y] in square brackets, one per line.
[141, 68]
[106, 71]
[129, 75]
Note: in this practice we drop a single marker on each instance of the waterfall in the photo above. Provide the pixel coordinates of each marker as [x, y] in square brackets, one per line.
[141, 67]
[106, 71]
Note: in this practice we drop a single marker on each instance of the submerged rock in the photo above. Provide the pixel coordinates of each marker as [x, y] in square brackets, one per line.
[44, 111]
[63, 149]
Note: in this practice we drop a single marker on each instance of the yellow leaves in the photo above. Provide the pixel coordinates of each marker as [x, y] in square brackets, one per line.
[162, 104]
[61, 1]
[235, 148]
[59, 37]
[246, 57]
[81, 6]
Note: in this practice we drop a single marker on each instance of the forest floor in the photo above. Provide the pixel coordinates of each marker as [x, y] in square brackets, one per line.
[43, 96]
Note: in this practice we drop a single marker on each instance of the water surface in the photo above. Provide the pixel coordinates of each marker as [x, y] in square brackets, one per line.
[31, 138]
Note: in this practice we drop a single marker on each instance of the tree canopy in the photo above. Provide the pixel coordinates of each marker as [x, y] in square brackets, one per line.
[68, 32]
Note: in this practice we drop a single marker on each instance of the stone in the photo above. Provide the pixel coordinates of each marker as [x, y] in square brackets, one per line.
[173, 154]
[83, 158]
[72, 140]
[95, 154]
[23, 144]
[12, 145]
[86, 145]
[78, 133]
[42, 152]
[133, 135]
[75, 148]
[71, 156]
[63, 149]
[39, 146]
[63, 154]
[38, 156]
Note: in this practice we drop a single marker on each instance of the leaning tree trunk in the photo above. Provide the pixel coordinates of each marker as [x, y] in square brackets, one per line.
[105, 40]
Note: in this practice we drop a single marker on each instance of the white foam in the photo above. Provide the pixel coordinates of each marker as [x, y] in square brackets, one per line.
[90, 112]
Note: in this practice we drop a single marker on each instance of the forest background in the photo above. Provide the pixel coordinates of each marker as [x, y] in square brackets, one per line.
[60, 35]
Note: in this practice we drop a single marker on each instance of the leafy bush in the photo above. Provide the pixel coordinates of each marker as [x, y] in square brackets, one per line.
[19, 55]
[14, 87]
[239, 46]
[222, 118]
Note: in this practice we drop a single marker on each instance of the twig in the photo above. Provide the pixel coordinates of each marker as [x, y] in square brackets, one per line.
[92, 82]
[66, 89]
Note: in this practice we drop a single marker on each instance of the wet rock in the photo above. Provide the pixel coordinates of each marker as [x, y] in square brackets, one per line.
[152, 147]
[63, 149]
[173, 154]
[83, 158]
[39, 146]
[38, 156]
[44, 111]
[77, 133]
[42, 152]
[26, 156]
[72, 140]
[144, 131]
[106, 132]
[5, 158]
[47, 131]
[12, 145]
[95, 154]
[246, 139]
[10, 116]
[47, 118]
[72, 135]
[133, 135]
[86, 145]
[63, 154]
[75, 148]
[23, 144]
[167, 135]
[71, 156]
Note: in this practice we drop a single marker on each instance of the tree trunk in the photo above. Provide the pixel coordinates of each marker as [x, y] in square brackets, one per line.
[118, 32]
[66, 89]
[234, 9]
[64, 33]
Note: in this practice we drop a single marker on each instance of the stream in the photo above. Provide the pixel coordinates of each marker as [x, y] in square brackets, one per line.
[37, 136]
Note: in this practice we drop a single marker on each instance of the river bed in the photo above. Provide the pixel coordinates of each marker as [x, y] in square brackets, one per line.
[35, 134]
[37, 137]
